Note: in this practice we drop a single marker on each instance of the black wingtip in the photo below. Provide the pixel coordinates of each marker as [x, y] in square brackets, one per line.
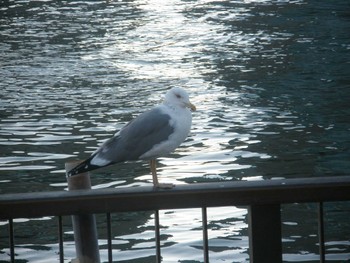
[83, 167]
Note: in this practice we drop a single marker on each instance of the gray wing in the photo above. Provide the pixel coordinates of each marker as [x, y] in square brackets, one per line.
[136, 138]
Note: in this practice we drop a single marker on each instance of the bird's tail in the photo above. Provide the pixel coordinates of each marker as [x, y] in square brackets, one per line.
[83, 167]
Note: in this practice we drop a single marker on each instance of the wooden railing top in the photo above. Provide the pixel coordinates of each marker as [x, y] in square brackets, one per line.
[226, 193]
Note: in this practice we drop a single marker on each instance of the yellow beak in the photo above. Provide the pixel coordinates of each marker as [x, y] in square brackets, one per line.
[191, 106]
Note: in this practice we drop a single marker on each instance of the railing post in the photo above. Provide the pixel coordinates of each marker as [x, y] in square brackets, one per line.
[60, 239]
[321, 239]
[12, 241]
[157, 236]
[205, 234]
[265, 241]
[84, 226]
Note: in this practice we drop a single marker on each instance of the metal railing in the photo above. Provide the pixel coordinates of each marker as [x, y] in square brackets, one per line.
[263, 199]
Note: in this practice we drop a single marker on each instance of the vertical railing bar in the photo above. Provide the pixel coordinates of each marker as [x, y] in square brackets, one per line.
[205, 235]
[109, 238]
[12, 241]
[321, 238]
[157, 235]
[60, 239]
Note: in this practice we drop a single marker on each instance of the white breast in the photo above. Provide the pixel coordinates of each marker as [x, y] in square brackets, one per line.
[180, 120]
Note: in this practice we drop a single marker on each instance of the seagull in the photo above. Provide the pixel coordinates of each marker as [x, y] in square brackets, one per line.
[152, 134]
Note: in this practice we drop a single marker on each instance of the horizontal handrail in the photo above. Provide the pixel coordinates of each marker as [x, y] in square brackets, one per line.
[226, 193]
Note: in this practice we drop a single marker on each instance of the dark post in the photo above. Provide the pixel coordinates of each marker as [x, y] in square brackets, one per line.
[205, 234]
[157, 232]
[265, 241]
[84, 226]
[321, 237]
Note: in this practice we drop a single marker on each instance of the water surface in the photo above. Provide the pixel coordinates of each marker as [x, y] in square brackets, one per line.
[270, 80]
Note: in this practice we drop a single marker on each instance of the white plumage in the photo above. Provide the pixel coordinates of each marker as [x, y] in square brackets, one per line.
[152, 134]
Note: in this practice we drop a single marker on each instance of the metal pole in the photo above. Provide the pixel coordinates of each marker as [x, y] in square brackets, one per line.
[12, 241]
[109, 238]
[84, 225]
[321, 233]
[157, 235]
[205, 234]
[60, 239]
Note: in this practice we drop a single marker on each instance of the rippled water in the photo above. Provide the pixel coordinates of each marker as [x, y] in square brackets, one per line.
[270, 80]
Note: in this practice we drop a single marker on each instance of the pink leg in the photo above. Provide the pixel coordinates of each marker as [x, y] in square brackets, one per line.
[156, 183]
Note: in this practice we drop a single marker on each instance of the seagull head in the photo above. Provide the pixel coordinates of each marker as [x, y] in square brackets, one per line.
[178, 97]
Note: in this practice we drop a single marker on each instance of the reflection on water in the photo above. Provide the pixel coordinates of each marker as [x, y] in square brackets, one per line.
[270, 79]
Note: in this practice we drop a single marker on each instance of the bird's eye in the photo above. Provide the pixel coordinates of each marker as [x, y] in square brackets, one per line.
[178, 96]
